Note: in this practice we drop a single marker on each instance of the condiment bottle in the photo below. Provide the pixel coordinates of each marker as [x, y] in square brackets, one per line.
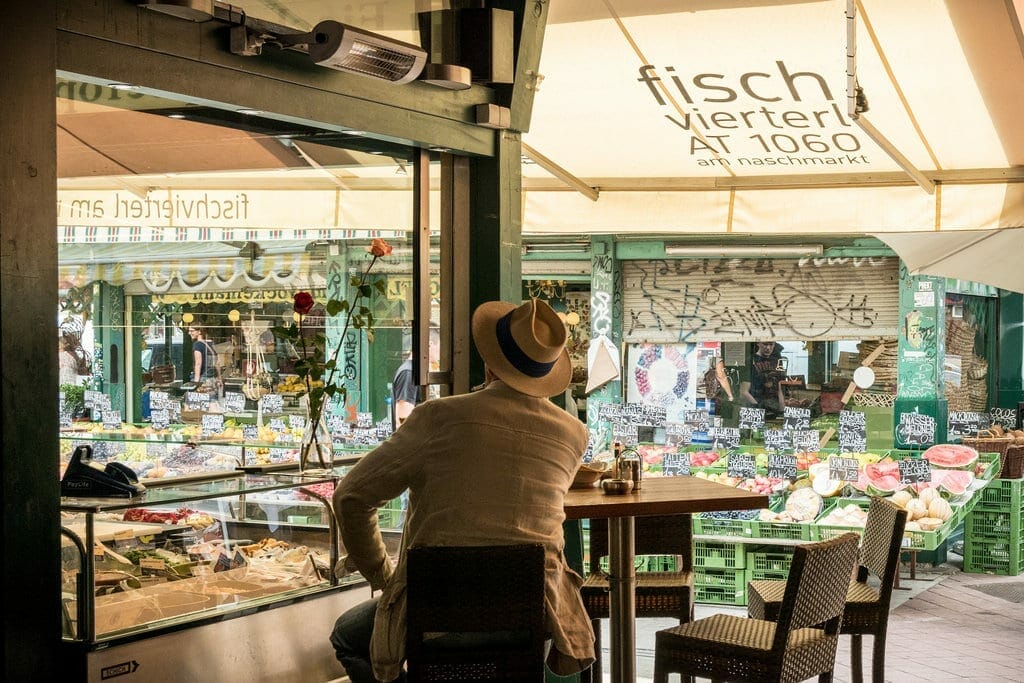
[630, 467]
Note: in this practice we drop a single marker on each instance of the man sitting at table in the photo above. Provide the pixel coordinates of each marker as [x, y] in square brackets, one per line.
[486, 468]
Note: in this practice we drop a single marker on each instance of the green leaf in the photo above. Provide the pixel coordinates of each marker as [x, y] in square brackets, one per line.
[334, 307]
[365, 290]
[381, 287]
[354, 281]
[364, 310]
[331, 364]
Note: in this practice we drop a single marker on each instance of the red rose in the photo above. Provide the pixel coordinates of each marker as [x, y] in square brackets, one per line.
[379, 247]
[303, 303]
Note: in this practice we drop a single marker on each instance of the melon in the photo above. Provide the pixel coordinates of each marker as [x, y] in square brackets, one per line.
[883, 478]
[953, 482]
[951, 456]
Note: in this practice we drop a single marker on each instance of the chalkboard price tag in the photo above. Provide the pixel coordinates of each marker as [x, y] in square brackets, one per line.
[609, 412]
[697, 419]
[158, 399]
[278, 426]
[65, 417]
[197, 400]
[777, 440]
[806, 440]
[364, 420]
[383, 429]
[174, 410]
[914, 470]
[742, 465]
[676, 464]
[297, 421]
[725, 437]
[916, 429]
[795, 419]
[213, 423]
[251, 433]
[111, 419]
[90, 396]
[234, 401]
[678, 434]
[628, 434]
[853, 434]
[160, 418]
[364, 437]
[273, 404]
[781, 466]
[964, 423]
[751, 418]
[843, 469]
[1004, 417]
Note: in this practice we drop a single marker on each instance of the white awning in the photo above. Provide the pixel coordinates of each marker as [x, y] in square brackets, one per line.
[718, 117]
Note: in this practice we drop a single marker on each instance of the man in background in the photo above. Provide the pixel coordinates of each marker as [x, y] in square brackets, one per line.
[405, 393]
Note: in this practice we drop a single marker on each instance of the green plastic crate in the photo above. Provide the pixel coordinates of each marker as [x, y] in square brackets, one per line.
[711, 526]
[824, 532]
[768, 563]
[1002, 495]
[720, 586]
[985, 556]
[791, 531]
[992, 525]
[659, 563]
[719, 555]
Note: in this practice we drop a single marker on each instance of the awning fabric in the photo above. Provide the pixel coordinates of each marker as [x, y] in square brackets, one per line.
[716, 117]
[991, 256]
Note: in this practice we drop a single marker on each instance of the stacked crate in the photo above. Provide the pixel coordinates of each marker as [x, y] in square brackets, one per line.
[719, 576]
[993, 542]
[768, 563]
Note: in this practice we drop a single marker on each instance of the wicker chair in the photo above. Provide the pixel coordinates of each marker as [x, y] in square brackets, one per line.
[494, 595]
[801, 644]
[867, 607]
[658, 594]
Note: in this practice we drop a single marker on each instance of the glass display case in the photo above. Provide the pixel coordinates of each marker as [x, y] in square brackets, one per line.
[185, 454]
[195, 550]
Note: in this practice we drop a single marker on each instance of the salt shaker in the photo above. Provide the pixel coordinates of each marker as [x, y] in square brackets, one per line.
[630, 467]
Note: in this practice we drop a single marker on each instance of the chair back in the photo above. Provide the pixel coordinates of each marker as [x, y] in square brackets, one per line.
[488, 601]
[816, 588]
[657, 535]
[881, 546]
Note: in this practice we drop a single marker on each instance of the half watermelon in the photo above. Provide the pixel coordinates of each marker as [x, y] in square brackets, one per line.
[951, 456]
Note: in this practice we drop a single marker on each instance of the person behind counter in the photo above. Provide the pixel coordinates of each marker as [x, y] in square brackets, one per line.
[762, 388]
[488, 467]
[204, 356]
[717, 387]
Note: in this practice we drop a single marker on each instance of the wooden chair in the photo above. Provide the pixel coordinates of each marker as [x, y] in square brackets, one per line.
[491, 595]
[801, 644]
[867, 607]
[658, 594]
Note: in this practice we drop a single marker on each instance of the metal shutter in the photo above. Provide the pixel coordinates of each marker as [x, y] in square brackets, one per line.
[730, 299]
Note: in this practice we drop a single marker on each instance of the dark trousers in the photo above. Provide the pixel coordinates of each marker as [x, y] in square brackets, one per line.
[351, 641]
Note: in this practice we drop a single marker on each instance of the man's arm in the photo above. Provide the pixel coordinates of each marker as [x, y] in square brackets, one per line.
[723, 378]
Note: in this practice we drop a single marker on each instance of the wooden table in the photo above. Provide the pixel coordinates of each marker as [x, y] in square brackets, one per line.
[657, 496]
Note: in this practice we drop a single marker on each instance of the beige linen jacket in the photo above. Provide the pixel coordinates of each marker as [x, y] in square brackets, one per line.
[490, 467]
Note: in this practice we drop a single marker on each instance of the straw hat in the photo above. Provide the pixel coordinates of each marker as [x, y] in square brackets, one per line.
[523, 346]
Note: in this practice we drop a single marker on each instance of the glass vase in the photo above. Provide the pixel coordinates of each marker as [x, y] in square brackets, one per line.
[316, 450]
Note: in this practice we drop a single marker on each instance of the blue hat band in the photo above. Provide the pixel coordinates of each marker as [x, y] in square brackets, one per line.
[514, 354]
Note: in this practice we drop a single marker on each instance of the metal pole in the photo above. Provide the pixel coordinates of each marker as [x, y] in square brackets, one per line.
[622, 613]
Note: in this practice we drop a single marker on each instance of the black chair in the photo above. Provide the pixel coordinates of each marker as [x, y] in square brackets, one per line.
[658, 594]
[492, 594]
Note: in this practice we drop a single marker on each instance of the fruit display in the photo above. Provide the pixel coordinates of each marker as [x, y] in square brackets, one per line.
[849, 514]
[703, 458]
[951, 456]
[803, 505]
[763, 485]
[805, 459]
[818, 474]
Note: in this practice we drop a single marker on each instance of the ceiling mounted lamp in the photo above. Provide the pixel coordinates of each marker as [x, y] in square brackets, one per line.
[192, 10]
[740, 250]
[346, 48]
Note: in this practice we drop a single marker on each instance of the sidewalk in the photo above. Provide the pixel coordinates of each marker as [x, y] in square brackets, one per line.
[942, 628]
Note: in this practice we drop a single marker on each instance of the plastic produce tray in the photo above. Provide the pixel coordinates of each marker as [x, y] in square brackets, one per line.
[709, 554]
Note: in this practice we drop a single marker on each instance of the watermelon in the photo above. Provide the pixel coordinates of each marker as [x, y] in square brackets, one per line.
[951, 456]
[952, 483]
[883, 478]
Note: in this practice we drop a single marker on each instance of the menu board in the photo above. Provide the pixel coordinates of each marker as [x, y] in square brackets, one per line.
[964, 423]
[742, 465]
[913, 470]
[843, 469]
[678, 434]
[725, 437]
[675, 464]
[853, 431]
[751, 418]
[273, 404]
[777, 440]
[1004, 417]
[806, 440]
[916, 429]
[781, 466]
[234, 401]
[794, 419]
[213, 423]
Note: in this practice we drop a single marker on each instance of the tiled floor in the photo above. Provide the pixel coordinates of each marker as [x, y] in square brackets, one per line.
[940, 629]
